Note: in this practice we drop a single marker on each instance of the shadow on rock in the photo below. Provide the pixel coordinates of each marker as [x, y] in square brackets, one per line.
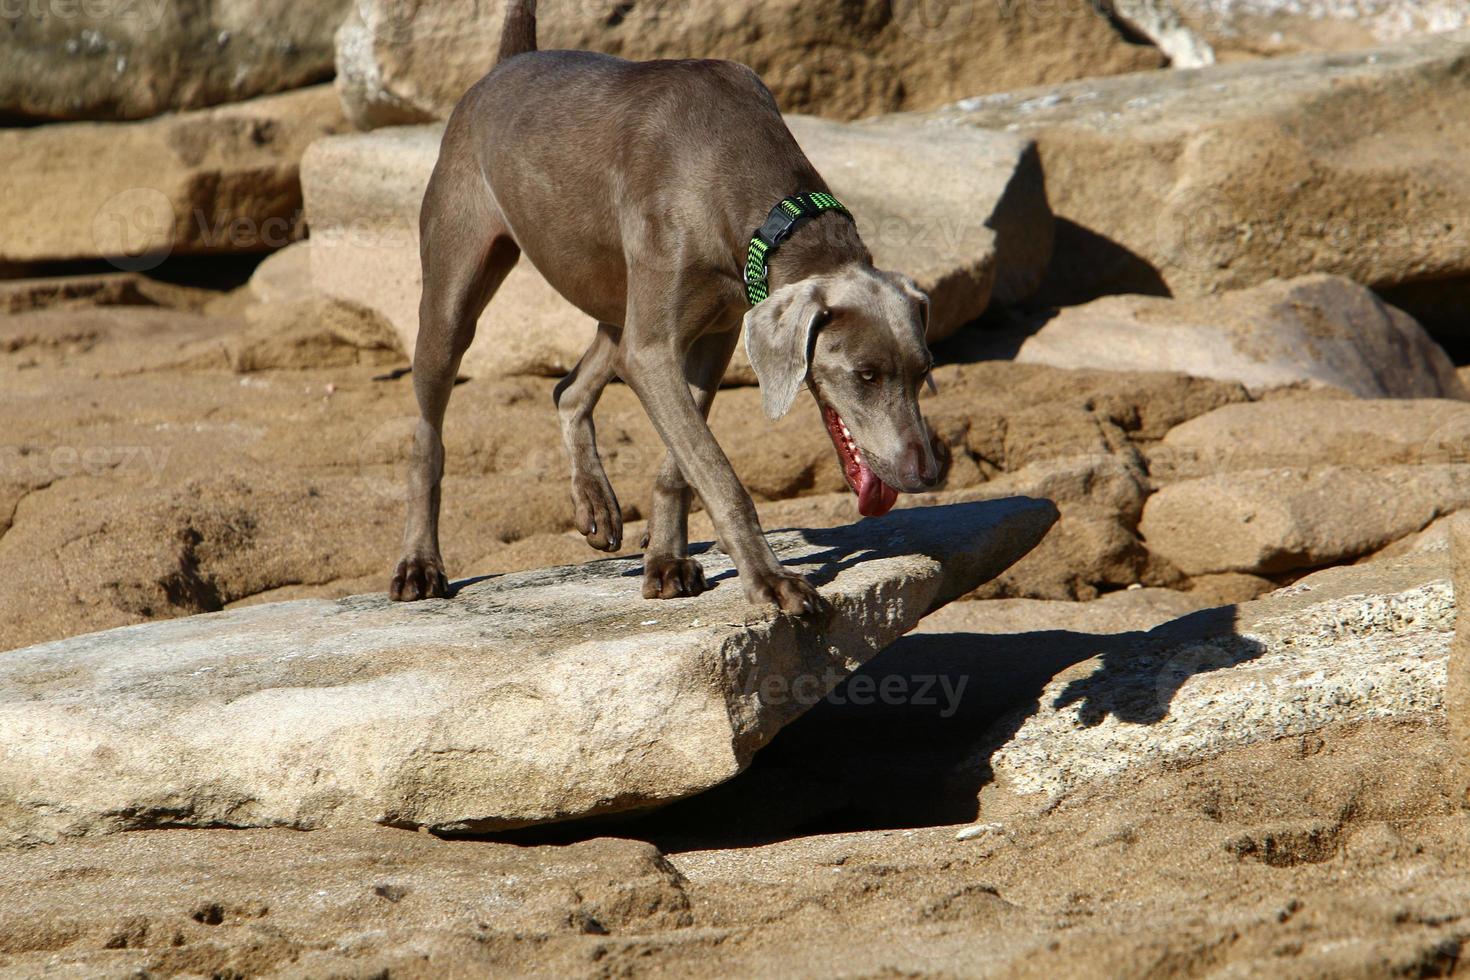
[906, 741]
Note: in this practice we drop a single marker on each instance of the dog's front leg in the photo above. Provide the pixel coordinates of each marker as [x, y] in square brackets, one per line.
[656, 371]
[668, 571]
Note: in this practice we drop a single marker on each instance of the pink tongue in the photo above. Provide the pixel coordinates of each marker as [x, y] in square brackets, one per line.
[875, 498]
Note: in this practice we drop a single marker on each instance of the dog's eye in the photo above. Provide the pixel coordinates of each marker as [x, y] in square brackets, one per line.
[868, 375]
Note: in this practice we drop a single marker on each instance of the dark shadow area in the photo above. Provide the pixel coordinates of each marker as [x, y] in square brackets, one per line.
[1442, 307]
[1086, 265]
[906, 741]
[217, 272]
[996, 336]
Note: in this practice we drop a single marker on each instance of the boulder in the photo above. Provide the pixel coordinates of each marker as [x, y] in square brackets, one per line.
[964, 213]
[284, 276]
[1188, 183]
[1278, 520]
[1314, 432]
[114, 60]
[215, 181]
[524, 699]
[1459, 677]
[401, 62]
[1321, 331]
[1252, 28]
[1342, 645]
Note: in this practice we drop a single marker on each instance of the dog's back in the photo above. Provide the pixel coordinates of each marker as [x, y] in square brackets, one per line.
[622, 156]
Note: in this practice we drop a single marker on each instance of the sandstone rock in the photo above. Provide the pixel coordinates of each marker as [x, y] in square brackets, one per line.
[284, 276]
[1160, 22]
[1125, 611]
[1295, 433]
[1458, 695]
[265, 901]
[119, 60]
[1272, 521]
[97, 289]
[1438, 536]
[403, 63]
[313, 333]
[1346, 644]
[1243, 28]
[487, 711]
[1317, 330]
[1188, 183]
[977, 224]
[215, 181]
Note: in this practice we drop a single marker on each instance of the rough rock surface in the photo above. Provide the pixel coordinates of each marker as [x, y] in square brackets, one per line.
[284, 276]
[1303, 433]
[524, 699]
[1273, 521]
[1316, 330]
[965, 214]
[215, 181]
[1274, 27]
[1459, 681]
[113, 60]
[1346, 644]
[1188, 183]
[246, 902]
[410, 62]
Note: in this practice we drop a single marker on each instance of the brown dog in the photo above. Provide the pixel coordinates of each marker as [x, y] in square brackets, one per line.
[634, 188]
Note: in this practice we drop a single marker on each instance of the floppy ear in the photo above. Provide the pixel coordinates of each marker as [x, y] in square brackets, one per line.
[779, 334]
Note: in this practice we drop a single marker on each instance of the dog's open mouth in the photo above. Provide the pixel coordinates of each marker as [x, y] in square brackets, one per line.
[875, 498]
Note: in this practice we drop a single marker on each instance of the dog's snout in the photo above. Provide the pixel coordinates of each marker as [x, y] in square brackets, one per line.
[920, 468]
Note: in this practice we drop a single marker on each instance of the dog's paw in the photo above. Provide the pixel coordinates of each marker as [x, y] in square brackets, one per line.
[598, 515]
[672, 578]
[790, 593]
[418, 578]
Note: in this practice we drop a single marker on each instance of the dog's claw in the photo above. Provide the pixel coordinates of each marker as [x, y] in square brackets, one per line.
[418, 578]
[790, 593]
[598, 516]
[672, 578]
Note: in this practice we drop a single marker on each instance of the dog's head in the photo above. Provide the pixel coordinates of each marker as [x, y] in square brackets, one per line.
[856, 339]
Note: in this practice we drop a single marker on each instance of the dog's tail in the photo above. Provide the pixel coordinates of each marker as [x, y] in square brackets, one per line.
[518, 35]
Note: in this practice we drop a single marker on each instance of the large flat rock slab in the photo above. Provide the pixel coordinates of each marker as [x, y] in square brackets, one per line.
[524, 699]
[963, 212]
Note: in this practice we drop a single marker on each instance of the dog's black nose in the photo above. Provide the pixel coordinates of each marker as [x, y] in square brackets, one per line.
[920, 469]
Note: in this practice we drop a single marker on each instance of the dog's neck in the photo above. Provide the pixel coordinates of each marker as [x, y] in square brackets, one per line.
[824, 244]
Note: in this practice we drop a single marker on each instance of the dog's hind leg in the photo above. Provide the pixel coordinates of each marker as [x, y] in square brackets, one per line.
[466, 251]
[598, 515]
[668, 571]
